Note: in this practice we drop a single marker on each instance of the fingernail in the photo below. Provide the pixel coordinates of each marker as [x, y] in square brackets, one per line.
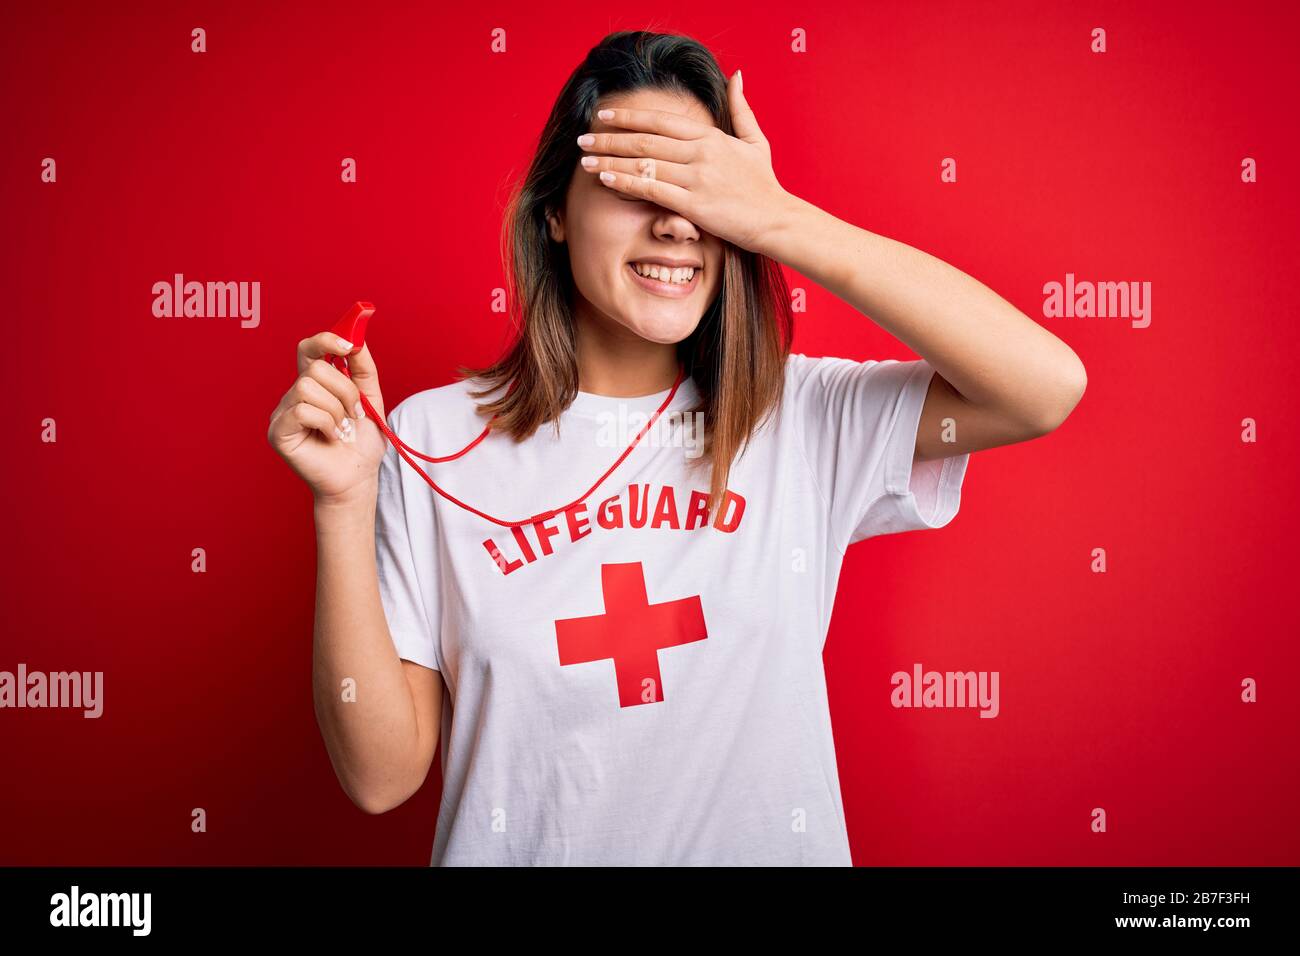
[358, 410]
[345, 343]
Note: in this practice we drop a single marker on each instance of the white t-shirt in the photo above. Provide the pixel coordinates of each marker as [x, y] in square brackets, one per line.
[637, 682]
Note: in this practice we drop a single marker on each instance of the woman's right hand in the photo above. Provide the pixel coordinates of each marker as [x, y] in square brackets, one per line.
[319, 427]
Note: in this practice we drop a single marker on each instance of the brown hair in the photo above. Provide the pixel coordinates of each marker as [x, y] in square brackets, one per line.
[738, 351]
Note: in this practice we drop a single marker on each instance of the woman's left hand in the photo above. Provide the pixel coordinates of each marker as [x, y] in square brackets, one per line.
[723, 184]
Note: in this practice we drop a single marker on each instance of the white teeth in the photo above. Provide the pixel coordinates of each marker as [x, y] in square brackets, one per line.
[665, 274]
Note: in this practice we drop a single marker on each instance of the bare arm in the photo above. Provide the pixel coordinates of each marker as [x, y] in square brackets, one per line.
[382, 743]
[381, 729]
[999, 375]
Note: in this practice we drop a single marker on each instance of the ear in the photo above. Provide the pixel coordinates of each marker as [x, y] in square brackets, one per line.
[556, 222]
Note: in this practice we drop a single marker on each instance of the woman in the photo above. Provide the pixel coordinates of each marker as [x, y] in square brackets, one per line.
[630, 670]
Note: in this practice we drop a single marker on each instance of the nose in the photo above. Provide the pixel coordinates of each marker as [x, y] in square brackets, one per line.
[672, 225]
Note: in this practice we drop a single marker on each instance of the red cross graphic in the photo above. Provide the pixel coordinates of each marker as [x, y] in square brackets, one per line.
[631, 631]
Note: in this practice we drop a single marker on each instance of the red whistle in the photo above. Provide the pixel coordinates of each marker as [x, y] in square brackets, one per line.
[353, 328]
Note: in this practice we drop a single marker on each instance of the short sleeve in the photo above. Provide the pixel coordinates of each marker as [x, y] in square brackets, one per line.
[858, 422]
[406, 556]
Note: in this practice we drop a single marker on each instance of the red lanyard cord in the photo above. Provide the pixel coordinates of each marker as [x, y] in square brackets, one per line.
[403, 449]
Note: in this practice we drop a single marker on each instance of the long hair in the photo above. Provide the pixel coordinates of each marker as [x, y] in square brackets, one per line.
[738, 351]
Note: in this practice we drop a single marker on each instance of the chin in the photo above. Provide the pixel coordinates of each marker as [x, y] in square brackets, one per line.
[664, 332]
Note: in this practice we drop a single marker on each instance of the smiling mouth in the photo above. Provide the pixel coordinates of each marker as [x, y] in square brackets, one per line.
[665, 288]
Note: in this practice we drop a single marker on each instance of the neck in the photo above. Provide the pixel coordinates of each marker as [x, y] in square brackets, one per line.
[618, 363]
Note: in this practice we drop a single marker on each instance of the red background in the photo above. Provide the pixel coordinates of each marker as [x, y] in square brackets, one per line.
[1119, 690]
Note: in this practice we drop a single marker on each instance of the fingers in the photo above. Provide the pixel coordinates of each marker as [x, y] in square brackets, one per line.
[303, 416]
[307, 391]
[640, 144]
[339, 385]
[320, 345]
[365, 376]
[336, 394]
[642, 168]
